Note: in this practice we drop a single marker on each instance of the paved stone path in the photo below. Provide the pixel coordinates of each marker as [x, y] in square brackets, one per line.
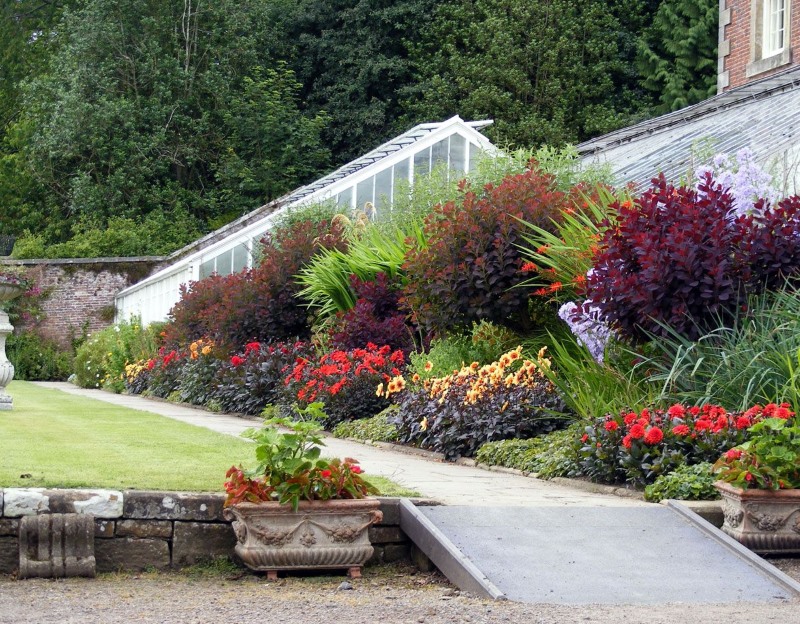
[443, 481]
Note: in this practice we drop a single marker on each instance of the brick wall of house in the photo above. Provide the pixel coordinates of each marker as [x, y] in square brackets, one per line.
[735, 43]
[80, 292]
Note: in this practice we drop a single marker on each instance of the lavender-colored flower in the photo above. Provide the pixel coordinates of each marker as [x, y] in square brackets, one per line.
[586, 323]
[744, 179]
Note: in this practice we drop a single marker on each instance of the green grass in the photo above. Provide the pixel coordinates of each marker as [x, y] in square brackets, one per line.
[67, 441]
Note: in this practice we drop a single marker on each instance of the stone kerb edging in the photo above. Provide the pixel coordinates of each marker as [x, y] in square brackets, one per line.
[137, 529]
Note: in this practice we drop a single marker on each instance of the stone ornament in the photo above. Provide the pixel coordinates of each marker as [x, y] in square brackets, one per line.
[7, 293]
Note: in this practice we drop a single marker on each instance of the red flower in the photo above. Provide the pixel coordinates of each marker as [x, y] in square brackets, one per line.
[743, 422]
[151, 364]
[325, 474]
[629, 418]
[654, 435]
[783, 412]
[637, 431]
[584, 437]
[680, 430]
[355, 469]
[694, 411]
[734, 454]
[626, 441]
[611, 425]
[677, 411]
[237, 360]
[702, 425]
[748, 476]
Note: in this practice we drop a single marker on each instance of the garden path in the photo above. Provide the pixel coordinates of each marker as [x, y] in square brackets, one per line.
[446, 482]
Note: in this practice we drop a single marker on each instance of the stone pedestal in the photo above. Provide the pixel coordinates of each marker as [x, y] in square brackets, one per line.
[7, 293]
[56, 546]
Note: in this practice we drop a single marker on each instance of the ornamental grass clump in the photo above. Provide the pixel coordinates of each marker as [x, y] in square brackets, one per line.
[456, 414]
[345, 381]
[290, 468]
[768, 460]
[639, 447]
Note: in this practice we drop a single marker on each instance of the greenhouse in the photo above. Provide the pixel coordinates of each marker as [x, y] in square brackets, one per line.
[369, 182]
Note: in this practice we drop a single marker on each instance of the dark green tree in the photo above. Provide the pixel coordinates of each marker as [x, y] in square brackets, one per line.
[546, 72]
[678, 53]
[353, 61]
[162, 107]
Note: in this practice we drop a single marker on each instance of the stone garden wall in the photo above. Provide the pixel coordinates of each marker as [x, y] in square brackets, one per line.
[135, 530]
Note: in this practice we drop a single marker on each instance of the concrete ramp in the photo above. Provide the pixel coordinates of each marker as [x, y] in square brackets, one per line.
[592, 555]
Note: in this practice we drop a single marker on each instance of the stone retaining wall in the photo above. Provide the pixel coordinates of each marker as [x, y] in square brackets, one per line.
[135, 530]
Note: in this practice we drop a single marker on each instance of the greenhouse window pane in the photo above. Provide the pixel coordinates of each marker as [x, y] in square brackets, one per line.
[345, 198]
[224, 263]
[240, 255]
[439, 156]
[474, 154]
[207, 268]
[422, 162]
[458, 152]
[364, 193]
[401, 174]
[383, 190]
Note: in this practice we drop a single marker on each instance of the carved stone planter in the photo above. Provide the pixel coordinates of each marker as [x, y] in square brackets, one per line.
[319, 535]
[765, 521]
[7, 293]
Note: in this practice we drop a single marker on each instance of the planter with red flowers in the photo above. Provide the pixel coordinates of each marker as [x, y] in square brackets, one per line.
[297, 511]
[759, 483]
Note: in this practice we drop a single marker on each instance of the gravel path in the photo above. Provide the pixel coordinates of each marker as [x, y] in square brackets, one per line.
[386, 594]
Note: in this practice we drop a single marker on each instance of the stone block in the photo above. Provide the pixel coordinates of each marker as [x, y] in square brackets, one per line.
[420, 559]
[144, 528]
[56, 546]
[18, 502]
[9, 555]
[391, 511]
[99, 503]
[128, 553]
[386, 535]
[194, 542]
[173, 506]
[9, 526]
[395, 552]
[104, 528]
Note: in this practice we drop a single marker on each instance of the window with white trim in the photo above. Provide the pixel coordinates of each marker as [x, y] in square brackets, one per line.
[773, 37]
[770, 36]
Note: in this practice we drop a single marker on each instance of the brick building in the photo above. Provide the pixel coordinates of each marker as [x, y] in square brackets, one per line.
[757, 38]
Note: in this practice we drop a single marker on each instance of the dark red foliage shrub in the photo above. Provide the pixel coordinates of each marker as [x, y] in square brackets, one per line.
[767, 245]
[668, 260]
[375, 318]
[677, 258]
[470, 270]
[258, 304]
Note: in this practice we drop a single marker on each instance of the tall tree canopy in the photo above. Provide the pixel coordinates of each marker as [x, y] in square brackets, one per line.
[547, 72]
[163, 106]
[678, 53]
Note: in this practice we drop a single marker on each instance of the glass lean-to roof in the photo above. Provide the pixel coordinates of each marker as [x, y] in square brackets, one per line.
[373, 178]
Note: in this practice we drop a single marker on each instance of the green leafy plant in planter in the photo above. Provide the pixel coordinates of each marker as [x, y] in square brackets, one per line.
[290, 466]
[296, 510]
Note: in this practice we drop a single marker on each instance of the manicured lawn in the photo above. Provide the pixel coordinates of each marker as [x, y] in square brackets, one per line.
[52, 439]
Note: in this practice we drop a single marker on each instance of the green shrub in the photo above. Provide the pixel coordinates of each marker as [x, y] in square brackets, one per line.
[37, 359]
[547, 456]
[684, 483]
[375, 429]
[100, 361]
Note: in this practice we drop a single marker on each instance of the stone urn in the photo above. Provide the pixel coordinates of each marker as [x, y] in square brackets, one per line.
[7, 293]
[320, 535]
[765, 521]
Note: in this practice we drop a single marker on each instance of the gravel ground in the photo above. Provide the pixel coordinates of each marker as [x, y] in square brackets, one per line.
[393, 594]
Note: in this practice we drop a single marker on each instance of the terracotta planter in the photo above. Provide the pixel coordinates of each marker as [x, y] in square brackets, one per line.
[765, 521]
[319, 535]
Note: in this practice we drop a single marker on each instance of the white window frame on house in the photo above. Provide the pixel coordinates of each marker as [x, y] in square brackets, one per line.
[770, 36]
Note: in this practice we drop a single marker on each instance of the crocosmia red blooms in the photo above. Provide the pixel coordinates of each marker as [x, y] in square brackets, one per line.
[611, 425]
[237, 360]
[654, 435]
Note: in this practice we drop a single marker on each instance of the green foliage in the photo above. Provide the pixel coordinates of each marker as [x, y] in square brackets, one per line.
[485, 343]
[546, 456]
[37, 359]
[507, 61]
[100, 361]
[754, 358]
[290, 468]
[768, 460]
[677, 54]
[686, 482]
[159, 107]
[375, 429]
[592, 388]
